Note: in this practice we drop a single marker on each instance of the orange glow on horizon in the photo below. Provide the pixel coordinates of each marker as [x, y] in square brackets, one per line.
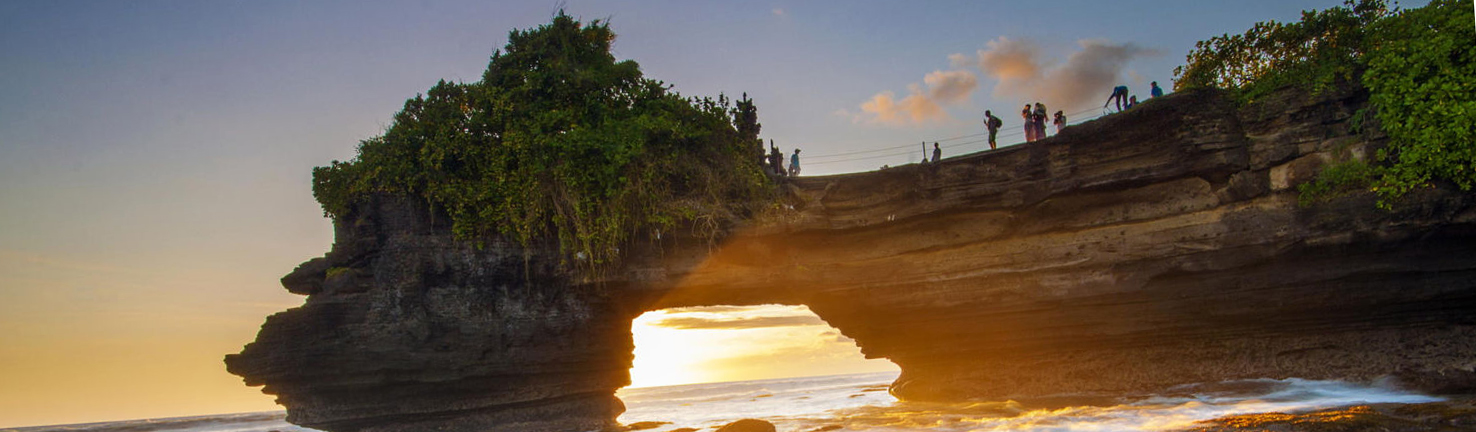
[698, 345]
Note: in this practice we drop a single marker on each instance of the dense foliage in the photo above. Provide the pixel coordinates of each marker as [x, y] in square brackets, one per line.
[1422, 77]
[1322, 48]
[559, 138]
[1417, 65]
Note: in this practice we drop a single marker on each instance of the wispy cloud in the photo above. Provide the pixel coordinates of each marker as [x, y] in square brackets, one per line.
[1086, 77]
[959, 60]
[921, 105]
[951, 86]
[1010, 61]
[708, 309]
[779, 12]
[734, 323]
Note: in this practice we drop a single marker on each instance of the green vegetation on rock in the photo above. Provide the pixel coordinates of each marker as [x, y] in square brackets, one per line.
[1422, 77]
[560, 139]
[1417, 65]
[1318, 51]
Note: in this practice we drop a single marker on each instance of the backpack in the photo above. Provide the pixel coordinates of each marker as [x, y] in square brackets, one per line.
[994, 122]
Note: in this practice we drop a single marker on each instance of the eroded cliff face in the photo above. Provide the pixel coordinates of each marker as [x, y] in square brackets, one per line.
[1152, 248]
[407, 329]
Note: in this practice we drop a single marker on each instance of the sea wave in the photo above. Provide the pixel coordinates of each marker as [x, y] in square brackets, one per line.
[853, 404]
[860, 402]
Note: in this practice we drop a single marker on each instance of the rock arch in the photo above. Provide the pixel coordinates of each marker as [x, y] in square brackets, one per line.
[1160, 246]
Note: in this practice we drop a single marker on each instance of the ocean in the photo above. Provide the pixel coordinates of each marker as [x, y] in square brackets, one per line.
[860, 402]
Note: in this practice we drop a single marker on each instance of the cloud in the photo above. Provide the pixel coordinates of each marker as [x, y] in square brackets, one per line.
[779, 12]
[916, 108]
[837, 337]
[1010, 60]
[959, 61]
[1086, 77]
[921, 106]
[1137, 78]
[951, 86]
[691, 323]
[709, 309]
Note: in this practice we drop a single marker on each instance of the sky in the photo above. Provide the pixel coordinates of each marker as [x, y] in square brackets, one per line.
[686, 345]
[156, 156]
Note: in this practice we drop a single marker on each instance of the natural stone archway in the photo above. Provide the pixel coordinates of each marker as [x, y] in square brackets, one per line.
[680, 346]
[1156, 247]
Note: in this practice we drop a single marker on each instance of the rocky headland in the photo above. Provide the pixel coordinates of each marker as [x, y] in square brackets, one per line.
[1156, 247]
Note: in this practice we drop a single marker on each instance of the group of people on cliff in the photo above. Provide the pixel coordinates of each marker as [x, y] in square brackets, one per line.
[1035, 122]
[1034, 116]
[1125, 101]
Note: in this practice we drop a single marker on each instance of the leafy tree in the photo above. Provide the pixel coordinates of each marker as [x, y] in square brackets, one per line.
[560, 139]
[1322, 48]
[1422, 78]
[1417, 65]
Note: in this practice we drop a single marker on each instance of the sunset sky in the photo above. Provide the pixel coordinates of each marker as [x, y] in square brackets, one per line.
[155, 156]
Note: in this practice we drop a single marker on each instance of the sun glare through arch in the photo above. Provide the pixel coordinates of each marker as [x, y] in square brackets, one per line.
[737, 343]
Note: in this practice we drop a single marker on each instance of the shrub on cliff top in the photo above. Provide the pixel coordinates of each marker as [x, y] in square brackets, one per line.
[1422, 77]
[1417, 65]
[559, 138]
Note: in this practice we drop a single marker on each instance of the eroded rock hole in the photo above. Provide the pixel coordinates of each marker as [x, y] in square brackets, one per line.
[740, 343]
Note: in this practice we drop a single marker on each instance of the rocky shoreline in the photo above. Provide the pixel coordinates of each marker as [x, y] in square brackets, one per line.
[1457, 414]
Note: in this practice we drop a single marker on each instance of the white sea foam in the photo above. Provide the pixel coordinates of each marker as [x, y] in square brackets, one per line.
[860, 403]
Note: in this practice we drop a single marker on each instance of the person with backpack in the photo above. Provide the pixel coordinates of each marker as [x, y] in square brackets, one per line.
[1060, 121]
[1119, 95]
[1029, 124]
[993, 123]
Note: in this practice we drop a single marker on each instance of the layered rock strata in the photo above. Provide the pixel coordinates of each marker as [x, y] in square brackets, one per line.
[1152, 248]
[407, 329]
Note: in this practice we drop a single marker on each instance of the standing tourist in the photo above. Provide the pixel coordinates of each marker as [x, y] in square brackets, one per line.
[1029, 124]
[993, 123]
[1040, 120]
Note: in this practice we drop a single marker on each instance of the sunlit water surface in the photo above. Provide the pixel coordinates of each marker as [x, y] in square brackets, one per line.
[860, 403]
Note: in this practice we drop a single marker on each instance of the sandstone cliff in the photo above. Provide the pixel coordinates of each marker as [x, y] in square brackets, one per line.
[1152, 248]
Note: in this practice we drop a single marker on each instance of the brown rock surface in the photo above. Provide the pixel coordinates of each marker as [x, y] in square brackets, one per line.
[747, 425]
[1156, 247]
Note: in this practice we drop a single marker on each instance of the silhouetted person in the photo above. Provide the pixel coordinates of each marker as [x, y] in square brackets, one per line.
[1155, 91]
[1060, 121]
[794, 164]
[1029, 124]
[1119, 95]
[1132, 102]
[937, 153]
[1040, 120]
[993, 123]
